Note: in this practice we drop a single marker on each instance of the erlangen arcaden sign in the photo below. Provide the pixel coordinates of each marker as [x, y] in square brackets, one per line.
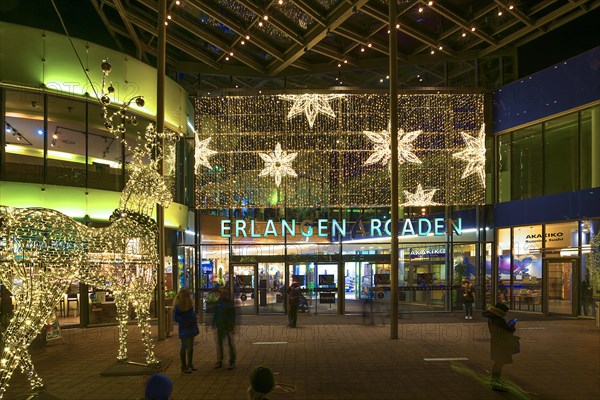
[325, 227]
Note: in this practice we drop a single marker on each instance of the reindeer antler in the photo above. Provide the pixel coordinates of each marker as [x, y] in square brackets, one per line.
[115, 122]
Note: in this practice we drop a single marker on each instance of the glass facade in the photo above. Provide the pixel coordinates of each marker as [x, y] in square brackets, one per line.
[556, 156]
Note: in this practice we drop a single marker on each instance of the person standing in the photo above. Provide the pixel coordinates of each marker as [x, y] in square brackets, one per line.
[502, 341]
[185, 316]
[468, 299]
[224, 322]
[294, 295]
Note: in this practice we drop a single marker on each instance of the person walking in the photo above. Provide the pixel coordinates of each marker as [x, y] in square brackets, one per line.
[294, 296]
[185, 316]
[502, 341]
[468, 299]
[262, 381]
[224, 322]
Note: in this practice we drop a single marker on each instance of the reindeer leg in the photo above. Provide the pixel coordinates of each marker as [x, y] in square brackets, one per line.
[143, 314]
[122, 317]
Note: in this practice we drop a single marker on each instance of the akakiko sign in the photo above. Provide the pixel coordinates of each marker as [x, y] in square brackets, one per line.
[325, 227]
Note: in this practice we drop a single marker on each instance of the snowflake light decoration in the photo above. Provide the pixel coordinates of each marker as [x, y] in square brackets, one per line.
[420, 198]
[311, 105]
[278, 164]
[474, 154]
[201, 153]
[383, 147]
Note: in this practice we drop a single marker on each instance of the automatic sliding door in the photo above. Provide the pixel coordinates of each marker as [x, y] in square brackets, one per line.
[244, 289]
[271, 287]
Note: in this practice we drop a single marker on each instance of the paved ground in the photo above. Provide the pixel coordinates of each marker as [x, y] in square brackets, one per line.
[338, 357]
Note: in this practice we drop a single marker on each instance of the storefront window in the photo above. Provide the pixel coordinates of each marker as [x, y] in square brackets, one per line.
[527, 268]
[526, 163]
[561, 154]
[503, 290]
[465, 269]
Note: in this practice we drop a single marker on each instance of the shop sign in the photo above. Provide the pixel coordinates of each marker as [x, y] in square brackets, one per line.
[430, 252]
[325, 227]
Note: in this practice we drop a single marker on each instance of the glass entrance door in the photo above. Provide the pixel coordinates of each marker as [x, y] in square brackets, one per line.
[271, 287]
[244, 288]
[559, 286]
[326, 288]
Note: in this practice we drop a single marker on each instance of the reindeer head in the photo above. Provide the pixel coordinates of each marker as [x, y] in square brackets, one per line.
[145, 187]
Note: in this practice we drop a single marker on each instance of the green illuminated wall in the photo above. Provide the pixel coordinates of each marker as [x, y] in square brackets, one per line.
[35, 58]
[72, 201]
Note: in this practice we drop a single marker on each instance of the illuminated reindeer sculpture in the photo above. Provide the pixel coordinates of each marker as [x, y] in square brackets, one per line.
[42, 251]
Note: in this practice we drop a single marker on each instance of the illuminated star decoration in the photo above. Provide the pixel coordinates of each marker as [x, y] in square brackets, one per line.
[202, 152]
[474, 154]
[383, 148]
[420, 198]
[311, 104]
[278, 164]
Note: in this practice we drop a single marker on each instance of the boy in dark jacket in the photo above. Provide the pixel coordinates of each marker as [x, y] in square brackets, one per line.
[501, 341]
[224, 321]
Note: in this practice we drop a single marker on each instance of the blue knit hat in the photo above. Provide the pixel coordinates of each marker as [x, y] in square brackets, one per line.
[158, 387]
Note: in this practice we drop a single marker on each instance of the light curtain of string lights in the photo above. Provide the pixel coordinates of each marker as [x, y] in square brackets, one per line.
[342, 157]
[42, 251]
[593, 264]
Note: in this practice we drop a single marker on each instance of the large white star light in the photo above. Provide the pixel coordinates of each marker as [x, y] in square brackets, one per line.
[383, 147]
[311, 104]
[420, 198]
[201, 153]
[278, 164]
[474, 154]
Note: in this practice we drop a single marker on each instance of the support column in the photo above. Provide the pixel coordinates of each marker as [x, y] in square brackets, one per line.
[393, 71]
[160, 127]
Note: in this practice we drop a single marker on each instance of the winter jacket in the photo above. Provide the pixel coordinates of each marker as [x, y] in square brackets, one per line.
[224, 315]
[188, 323]
[501, 341]
[469, 296]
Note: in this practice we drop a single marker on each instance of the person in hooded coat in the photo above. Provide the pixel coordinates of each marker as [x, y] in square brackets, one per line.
[501, 341]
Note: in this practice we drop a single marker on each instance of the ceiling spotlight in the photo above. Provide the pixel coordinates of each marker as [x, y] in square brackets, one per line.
[247, 37]
[388, 31]
[511, 7]
[40, 132]
[440, 48]
[280, 1]
[226, 58]
[53, 143]
[430, 3]
[266, 17]
[339, 65]
[473, 29]
[362, 49]
[337, 79]
[260, 23]
[369, 45]
[387, 77]
[243, 43]
[499, 13]
[345, 61]
[381, 80]
[178, 2]
[231, 54]
[168, 17]
[432, 51]
[55, 136]
[166, 23]
[397, 26]
[420, 9]
[464, 34]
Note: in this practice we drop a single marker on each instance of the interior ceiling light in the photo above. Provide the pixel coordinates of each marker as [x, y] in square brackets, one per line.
[247, 37]
[227, 58]
[464, 34]
[381, 80]
[345, 61]
[420, 9]
[511, 7]
[339, 65]
[473, 29]
[178, 2]
[231, 54]
[441, 48]
[260, 23]
[243, 43]
[369, 45]
[432, 51]
[499, 12]
[166, 23]
[362, 49]
[168, 17]
[397, 26]
[387, 77]
[280, 1]
[266, 17]
[430, 3]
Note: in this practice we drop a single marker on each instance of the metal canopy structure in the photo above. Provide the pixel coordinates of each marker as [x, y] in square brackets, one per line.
[216, 44]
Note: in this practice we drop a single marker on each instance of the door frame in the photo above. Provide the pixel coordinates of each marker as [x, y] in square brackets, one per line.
[254, 289]
[575, 272]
